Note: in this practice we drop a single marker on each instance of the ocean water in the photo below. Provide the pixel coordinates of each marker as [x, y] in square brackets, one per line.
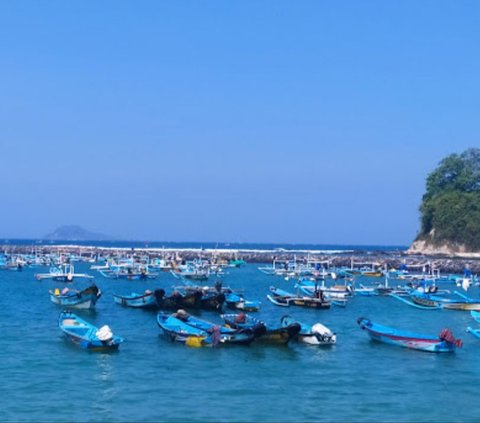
[208, 245]
[150, 379]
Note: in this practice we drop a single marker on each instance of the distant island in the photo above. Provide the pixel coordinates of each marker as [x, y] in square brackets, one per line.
[450, 209]
[75, 233]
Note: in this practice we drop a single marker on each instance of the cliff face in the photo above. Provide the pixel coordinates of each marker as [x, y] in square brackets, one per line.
[424, 247]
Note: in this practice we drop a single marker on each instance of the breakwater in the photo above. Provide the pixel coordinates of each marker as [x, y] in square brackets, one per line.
[331, 258]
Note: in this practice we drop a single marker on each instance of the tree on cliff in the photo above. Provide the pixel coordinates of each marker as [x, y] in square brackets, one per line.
[450, 209]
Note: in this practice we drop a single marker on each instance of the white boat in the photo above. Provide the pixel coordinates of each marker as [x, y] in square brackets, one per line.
[316, 334]
[63, 273]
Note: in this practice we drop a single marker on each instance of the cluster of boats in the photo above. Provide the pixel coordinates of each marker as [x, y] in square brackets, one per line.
[241, 329]
[178, 325]
[176, 311]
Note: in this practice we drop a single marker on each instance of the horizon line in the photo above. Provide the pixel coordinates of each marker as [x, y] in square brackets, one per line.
[204, 242]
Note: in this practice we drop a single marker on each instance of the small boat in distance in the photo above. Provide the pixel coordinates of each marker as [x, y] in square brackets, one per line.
[86, 335]
[445, 342]
[64, 273]
[436, 301]
[285, 299]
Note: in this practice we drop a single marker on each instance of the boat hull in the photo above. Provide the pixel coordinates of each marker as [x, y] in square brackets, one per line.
[317, 334]
[145, 301]
[263, 334]
[85, 300]
[83, 334]
[405, 339]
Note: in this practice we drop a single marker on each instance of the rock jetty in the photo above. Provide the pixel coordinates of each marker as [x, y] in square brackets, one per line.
[381, 259]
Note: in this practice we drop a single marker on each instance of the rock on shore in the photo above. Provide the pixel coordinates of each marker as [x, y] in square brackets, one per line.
[446, 249]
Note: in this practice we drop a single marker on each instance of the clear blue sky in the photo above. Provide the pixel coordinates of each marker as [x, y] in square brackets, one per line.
[246, 121]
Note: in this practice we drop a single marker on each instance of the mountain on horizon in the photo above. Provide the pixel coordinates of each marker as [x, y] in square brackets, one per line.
[75, 233]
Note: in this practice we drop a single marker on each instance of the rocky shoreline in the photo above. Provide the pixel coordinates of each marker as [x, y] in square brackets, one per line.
[389, 259]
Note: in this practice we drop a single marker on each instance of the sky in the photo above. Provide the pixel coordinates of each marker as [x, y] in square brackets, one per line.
[253, 121]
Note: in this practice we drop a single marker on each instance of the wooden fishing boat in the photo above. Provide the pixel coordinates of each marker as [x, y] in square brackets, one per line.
[191, 271]
[178, 331]
[86, 335]
[428, 300]
[72, 298]
[228, 335]
[131, 273]
[372, 273]
[445, 342]
[311, 288]
[263, 333]
[316, 334]
[425, 300]
[285, 299]
[147, 300]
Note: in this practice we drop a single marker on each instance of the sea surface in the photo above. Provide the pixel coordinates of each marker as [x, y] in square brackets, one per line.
[333, 248]
[150, 379]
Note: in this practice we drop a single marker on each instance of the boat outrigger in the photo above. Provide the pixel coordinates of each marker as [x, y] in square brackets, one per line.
[64, 273]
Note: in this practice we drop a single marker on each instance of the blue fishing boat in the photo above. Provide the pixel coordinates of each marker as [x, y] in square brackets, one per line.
[72, 298]
[147, 300]
[445, 342]
[264, 333]
[316, 334]
[86, 335]
[236, 263]
[178, 331]
[227, 334]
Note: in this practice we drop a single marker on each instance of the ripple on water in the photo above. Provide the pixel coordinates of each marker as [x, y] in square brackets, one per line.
[46, 378]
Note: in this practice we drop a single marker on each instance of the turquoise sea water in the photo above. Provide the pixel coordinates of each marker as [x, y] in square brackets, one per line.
[44, 378]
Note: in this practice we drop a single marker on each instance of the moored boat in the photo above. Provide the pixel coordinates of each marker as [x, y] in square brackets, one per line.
[178, 331]
[285, 299]
[264, 333]
[228, 335]
[72, 298]
[428, 300]
[147, 300]
[87, 335]
[445, 342]
[316, 334]
[64, 273]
